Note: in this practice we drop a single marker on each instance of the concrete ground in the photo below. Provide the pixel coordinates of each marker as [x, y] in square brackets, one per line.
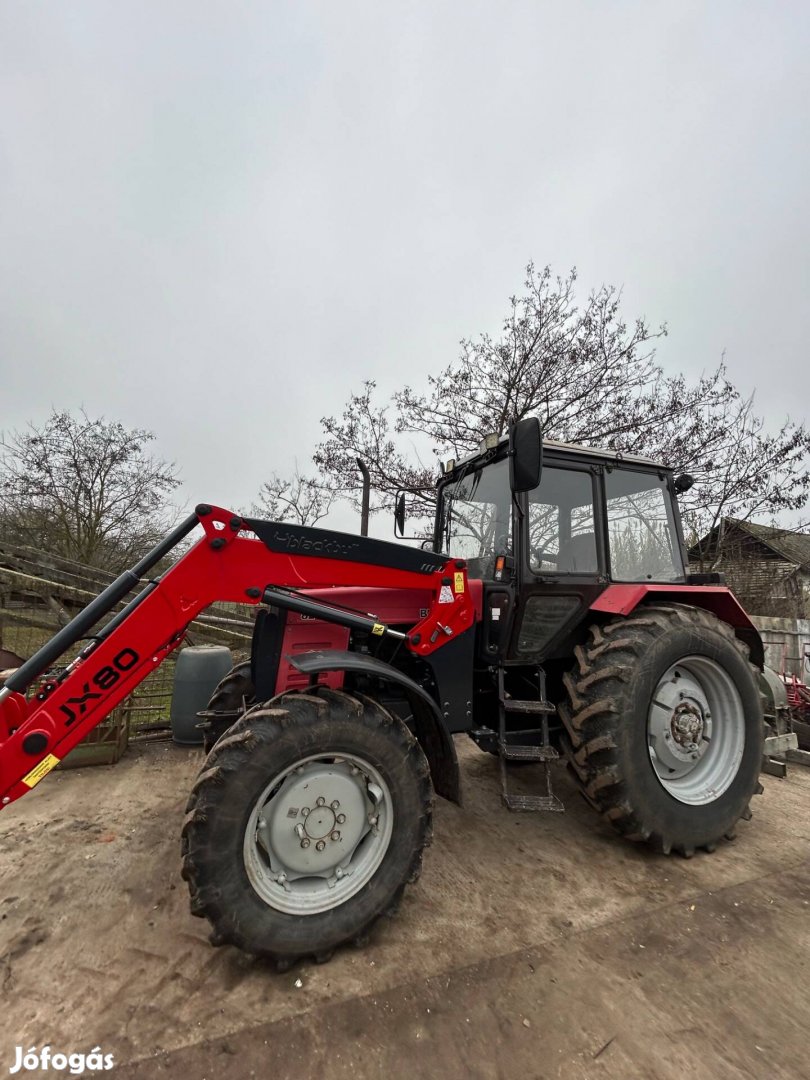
[533, 946]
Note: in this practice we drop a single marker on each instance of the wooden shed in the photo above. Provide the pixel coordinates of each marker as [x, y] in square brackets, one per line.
[767, 567]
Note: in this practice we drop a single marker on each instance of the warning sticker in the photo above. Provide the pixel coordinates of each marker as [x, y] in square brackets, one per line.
[37, 773]
[378, 629]
[446, 595]
[459, 582]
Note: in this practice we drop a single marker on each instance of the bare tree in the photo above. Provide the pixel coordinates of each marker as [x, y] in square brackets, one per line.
[304, 499]
[745, 472]
[592, 378]
[86, 489]
[370, 432]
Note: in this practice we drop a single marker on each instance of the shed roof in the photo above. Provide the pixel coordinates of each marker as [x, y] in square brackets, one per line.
[793, 546]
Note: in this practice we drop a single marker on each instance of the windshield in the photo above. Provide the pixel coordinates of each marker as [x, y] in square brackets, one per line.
[641, 529]
[476, 518]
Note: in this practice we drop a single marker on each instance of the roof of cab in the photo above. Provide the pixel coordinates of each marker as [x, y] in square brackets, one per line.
[596, 451]
[574, 449]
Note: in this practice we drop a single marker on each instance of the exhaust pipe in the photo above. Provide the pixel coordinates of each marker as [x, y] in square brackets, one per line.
[361, 465]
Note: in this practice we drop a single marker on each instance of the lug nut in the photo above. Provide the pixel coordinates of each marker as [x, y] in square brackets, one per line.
[321, 801]
[341, 818]
[334, 805]
[305, 812]
[305, 842]
[335, 836]
[320, 845]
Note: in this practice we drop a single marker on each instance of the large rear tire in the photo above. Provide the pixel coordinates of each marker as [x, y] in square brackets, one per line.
[665, 727]
[306, 824]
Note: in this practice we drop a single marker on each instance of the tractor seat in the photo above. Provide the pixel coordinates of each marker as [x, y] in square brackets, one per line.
[578, 556]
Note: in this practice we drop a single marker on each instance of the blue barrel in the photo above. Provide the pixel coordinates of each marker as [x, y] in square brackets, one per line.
[199, 669]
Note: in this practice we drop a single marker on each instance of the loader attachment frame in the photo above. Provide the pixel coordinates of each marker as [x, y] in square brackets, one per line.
[229, 563]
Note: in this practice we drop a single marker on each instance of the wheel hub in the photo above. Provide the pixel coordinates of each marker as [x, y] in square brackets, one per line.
[319, 822]
[314, 822]
[686, 726]
[317, 834]
[696, 730]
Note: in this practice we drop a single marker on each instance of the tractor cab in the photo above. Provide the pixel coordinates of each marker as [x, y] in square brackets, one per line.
[547, 546]
[560, 536]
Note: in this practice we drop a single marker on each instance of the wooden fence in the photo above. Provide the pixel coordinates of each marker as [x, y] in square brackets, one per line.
[40, 593]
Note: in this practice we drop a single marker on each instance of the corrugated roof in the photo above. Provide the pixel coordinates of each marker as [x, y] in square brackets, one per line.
[793, 546]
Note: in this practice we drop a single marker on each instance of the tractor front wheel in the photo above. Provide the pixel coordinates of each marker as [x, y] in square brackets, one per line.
[306, 824]
[665, 727]
[231, 699]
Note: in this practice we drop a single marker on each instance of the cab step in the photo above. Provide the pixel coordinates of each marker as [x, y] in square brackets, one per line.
[513, 752]
[518, 803]
[515, 705]
[526, 745]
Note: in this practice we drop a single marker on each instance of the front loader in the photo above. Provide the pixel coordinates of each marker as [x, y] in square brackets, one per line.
[552, 617]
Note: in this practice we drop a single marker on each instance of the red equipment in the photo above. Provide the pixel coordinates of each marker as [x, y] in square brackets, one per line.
[228, 564]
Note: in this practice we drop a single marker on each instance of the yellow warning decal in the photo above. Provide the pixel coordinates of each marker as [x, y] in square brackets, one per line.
[378, 629]
[44, 767]
[459, 582]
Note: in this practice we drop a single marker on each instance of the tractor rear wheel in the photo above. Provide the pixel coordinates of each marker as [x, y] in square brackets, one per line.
[665, 727]
[231, 698]
[305, 825]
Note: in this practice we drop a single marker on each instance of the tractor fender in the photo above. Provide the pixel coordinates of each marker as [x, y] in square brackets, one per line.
[721, 601]
[428, 724]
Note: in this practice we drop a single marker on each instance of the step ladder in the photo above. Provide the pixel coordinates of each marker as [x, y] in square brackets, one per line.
[526, 744]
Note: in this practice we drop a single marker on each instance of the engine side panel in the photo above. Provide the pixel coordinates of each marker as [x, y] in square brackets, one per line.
[303, 635]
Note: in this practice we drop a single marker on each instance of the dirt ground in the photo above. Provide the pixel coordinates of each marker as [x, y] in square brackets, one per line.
[533, 946]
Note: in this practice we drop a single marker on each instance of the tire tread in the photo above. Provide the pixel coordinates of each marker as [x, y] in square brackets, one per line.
[605, 666]
[261, 724]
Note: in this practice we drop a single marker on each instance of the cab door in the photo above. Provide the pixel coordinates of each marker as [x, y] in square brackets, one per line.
[479, 526]
[561, 566]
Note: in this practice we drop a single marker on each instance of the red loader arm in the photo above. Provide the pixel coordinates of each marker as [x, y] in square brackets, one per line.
[227, 564]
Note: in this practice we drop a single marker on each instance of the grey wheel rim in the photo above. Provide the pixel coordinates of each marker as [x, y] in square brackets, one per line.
[696, 730]
[318, 833]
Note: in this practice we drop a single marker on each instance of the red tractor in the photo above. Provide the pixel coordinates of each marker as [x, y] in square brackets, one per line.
[552, 615]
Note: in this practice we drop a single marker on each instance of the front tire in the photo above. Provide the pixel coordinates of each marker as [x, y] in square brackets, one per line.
[665, 727]
[231, 699]
[306, 824]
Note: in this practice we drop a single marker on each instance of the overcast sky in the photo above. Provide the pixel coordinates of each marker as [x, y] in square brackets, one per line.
[217, 219]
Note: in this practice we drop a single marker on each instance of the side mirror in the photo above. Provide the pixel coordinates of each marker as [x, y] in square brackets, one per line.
[399, 515]
[683, 483]
[525, 454]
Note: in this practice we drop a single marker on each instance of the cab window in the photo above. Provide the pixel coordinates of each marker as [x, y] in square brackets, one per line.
[641, 531]
[477, 518]
[562, 533]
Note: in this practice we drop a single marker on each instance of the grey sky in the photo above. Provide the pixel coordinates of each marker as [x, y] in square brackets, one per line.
[217, 219]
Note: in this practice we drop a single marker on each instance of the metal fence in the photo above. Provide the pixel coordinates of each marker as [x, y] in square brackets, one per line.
[787, 644]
